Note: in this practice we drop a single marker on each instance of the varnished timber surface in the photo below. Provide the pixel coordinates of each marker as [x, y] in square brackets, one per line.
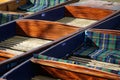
[13, 5]
[44, 29]
[87, 12]
[77, 21]
[107, 31]
[41, 77]
[3, 7]
[67, 71]
[5, 55]
[2, 1]
[95, 63]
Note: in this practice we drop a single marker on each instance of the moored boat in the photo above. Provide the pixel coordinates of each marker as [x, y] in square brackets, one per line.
[93, 54]
[88, 54]
[19, 38]
[26, 32]
[9, 9]
[76, 15]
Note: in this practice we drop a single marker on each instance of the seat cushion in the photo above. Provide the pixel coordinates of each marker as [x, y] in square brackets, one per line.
[9, 17]
[84, 51]
[111, 56]
[39, 56]
[104, 41]
[29, 4]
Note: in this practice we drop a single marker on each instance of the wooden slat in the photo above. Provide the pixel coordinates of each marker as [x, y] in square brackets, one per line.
[13, 5]
[87, 12]
[3, 1]
[44, 29]
[70, 71]
[5, 55]
[3, 7]
[106, 31]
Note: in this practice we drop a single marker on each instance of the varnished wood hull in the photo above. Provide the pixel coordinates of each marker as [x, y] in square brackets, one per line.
[57, 66]
[45, 30]
[66, 71]
[34, 29]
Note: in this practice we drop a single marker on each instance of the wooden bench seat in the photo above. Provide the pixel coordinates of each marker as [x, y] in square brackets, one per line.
[84, 63]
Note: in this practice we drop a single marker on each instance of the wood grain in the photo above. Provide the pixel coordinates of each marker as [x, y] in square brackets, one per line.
[106, 31]
[44, 29]
[68, 71]
[5, 55]
[87, 12]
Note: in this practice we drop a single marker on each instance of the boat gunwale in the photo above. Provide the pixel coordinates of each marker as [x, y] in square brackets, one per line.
[61, 40]
[75, 68]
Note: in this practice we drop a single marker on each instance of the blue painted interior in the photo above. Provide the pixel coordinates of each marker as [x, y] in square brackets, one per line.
[65, 47]
[110, 23]
[25, 71]
[51, 15]
[7, 31]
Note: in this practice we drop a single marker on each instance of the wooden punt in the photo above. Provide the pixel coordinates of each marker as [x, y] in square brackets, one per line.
[14, 5]
[76, 15]
[90, 54]
[19, 38]
[6, 16]
[66, 60]
[8, 64]
[9, 9]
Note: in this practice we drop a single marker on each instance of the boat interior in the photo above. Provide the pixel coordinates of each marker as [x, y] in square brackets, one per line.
[87, 54]
[92, 54]
[80, 16]
[14, 9]
[27, 34]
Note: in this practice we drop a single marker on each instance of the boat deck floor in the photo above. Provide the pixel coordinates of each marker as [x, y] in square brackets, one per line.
[94, 63]
[19, 44]
[77, 21]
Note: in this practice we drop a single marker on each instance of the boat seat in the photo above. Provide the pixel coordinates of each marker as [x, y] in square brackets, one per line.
[29, 4]
[6, 17]
[106, 46]
[113, 69]
[39, 5]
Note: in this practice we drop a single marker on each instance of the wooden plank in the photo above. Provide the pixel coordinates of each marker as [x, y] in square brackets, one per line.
[13, 5]
[106, 31]
[44, 29]
[3, 1]
[3, 7]
[87, 12]
[71, 71]
[5, 55]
